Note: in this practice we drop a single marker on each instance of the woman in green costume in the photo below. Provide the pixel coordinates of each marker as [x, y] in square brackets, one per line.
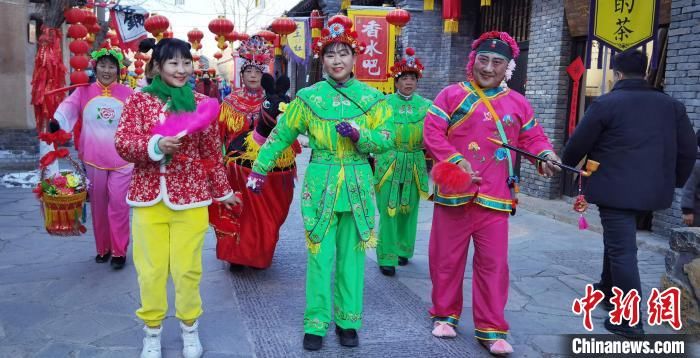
[345, 121]
[401, 176]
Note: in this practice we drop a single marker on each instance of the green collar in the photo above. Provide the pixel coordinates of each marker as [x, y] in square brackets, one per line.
[351, 81]
[181, 99]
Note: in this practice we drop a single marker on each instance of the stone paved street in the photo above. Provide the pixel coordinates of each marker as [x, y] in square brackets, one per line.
[55, 301]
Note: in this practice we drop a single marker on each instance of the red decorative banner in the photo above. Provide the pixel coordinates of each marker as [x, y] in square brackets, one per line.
[376, 33]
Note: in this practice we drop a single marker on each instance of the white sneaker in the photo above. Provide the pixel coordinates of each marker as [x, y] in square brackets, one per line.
[151, 343]
[191, 347]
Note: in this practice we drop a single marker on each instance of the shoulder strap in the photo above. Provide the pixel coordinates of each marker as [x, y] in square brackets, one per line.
[497, 120]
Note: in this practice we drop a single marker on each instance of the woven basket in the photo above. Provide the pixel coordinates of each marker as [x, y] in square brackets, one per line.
[64, 215]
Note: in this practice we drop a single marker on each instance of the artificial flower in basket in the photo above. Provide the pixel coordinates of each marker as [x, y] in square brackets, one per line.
[62, 196]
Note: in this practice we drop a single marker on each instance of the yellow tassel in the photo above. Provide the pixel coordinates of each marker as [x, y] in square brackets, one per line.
[345, 5]
[314, 247]
[405, 209]
[485, 2]
[451, 26]
[428, 5]
[391, 211]
[286, 158]
[233, 119]
[371, 243]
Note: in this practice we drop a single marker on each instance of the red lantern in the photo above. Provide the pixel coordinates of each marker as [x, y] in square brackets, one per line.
[78, 77]
[77, 31]
[451, 10]
[195, 37]
[90, 18]
[220, 27]
[138, 63]
[79, 62]
[316, 24]
[230, 37]
[243, 36]
[198, 72]
[78, 47]
[146, 57]
[74, 15]
[269, 36]
[218, 55]
[283, 26]
[168, 34]
[156, 25]
[138, 71]
[195, 58]
[398, 18]
[212, 71]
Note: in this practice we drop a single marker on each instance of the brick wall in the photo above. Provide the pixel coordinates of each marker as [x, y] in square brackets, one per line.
[547, 86]
[682, 82]
[19, 150]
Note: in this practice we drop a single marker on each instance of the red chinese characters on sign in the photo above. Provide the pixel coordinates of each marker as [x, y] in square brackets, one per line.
[587, 304]
[665, 307]
[626, 307]
[374, 32]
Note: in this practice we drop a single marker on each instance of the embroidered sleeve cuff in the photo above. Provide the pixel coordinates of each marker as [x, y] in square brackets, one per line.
[153, 152]
[228, 195]
[455, 158]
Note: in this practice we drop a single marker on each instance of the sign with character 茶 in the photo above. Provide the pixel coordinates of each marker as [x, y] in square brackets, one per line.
[379, 37]
[624, 24]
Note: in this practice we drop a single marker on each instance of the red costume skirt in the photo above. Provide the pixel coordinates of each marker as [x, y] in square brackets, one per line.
[249, 237]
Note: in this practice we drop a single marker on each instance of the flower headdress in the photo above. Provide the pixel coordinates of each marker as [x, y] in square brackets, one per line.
[339, 30]
[118, 55]
[410, 64]
[255, 52]
[497, 42]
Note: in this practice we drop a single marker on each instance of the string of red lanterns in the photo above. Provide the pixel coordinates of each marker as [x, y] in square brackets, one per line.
[79, 47]
[221, 26]
[283, 26]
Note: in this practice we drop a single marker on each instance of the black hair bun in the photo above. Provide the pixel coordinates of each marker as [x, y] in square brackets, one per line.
[268, 83]
[147, 45]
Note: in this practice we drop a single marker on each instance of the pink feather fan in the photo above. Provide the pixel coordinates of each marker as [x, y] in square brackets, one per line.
[451, 177]
[184, 123]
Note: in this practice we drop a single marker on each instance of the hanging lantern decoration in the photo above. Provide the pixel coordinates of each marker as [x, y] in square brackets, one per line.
[211, 71]
[79, 47]
[269, 36]
[138, 64]
[168, 34]
[283, 26]
[90, 22]
[451, 10]
[230, 37]
[242, 36]
[220, 27]
[316, 24]
[195, 37]
[398, 18]
[195, 58]
[198, 73]
[277, 45]
[485, 2]
[156, 25]
[218, 55]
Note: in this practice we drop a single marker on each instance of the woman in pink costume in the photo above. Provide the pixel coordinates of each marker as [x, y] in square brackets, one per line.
[100, 106]
[457, 129]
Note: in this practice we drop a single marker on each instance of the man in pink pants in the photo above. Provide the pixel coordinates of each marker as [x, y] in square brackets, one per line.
[457, 129]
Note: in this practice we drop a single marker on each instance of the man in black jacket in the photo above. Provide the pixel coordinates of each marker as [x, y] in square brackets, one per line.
[645, 144]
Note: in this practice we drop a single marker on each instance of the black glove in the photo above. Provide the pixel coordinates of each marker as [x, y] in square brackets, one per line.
[54, 126]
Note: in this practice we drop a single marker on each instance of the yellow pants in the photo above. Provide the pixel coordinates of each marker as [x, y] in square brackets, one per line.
[166, 242]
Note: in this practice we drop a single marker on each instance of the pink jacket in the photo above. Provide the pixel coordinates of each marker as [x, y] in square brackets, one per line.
[457, 127]
[101, 108]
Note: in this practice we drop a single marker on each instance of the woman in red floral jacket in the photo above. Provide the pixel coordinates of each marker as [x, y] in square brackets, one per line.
[175, 178]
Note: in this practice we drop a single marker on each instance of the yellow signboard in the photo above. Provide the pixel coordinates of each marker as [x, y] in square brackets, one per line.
[296, 41]
[624, 24]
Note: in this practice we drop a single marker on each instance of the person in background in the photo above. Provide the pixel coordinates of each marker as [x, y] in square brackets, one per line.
[690, 201]
[99, 107]
[645, 145]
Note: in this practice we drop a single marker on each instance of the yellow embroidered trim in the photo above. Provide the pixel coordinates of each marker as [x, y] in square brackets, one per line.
[233, 119]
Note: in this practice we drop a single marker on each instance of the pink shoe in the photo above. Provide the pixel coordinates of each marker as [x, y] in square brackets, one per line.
[499, 347]
[444, 330]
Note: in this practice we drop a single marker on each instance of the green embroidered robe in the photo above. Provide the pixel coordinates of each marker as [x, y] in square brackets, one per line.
[405, 162]
[339, 178]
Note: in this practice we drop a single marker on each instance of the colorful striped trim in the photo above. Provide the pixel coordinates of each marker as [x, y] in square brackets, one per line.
[544, 152]
[470, 103]
[437, 111]
[489, 334]
[455, 158]
[529, 125]
[483, 200]
[452, 320]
